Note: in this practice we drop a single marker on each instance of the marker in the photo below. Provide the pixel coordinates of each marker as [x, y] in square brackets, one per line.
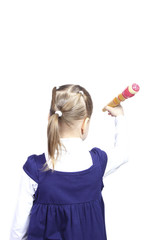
[129, 92]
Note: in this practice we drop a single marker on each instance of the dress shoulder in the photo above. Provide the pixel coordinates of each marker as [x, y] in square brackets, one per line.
[30, 167]
[102, 157]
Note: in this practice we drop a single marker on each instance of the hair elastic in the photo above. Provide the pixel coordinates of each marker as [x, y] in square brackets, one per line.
[81, 92]
[59, 113]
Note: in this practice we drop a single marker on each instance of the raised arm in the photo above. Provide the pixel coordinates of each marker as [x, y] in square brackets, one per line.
[119, 154]
[24, 204]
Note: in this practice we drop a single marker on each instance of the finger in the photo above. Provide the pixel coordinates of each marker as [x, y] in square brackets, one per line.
[108, 108]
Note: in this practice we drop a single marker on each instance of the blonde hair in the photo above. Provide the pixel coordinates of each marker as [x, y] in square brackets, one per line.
[75, 103]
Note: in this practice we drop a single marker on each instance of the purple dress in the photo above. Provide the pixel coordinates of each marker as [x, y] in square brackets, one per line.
[67, 205]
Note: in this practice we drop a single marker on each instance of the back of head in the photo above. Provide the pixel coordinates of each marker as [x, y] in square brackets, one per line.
[70, 103]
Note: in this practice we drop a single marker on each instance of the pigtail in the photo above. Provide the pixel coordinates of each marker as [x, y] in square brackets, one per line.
[54, 143]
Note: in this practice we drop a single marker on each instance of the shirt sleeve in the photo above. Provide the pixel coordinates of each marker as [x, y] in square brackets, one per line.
[119, 154]
[21, 217]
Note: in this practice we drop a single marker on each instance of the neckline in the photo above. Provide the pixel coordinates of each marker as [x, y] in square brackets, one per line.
[73, 173]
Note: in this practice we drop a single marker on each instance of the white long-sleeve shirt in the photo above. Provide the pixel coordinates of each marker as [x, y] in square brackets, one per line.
[69, 161]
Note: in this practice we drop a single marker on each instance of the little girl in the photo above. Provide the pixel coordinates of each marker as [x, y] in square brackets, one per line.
[60, 194]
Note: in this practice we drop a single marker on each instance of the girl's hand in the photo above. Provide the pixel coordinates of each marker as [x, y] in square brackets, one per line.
[115, 111]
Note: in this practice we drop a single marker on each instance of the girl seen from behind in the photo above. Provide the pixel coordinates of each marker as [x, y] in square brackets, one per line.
[60, 196]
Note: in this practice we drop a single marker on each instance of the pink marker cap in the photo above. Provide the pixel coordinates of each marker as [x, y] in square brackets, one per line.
[135, 87]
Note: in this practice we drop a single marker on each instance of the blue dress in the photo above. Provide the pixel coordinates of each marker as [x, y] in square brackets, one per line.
[67, 205]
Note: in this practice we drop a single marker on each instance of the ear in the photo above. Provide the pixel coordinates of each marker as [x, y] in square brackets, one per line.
[85, 125]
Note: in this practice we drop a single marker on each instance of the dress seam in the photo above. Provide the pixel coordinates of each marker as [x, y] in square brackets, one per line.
[98, 199]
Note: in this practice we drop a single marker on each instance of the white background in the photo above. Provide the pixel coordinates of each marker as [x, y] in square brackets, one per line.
[103, 46]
